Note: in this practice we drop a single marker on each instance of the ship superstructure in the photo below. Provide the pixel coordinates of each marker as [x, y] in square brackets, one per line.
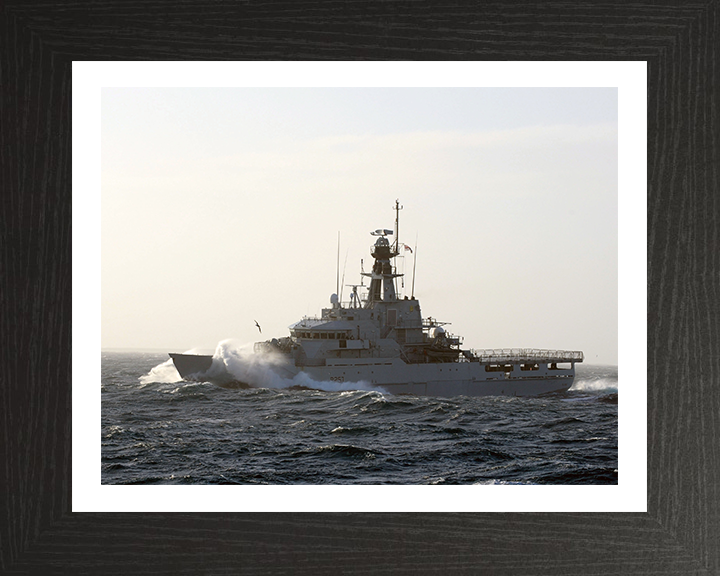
[381, 339]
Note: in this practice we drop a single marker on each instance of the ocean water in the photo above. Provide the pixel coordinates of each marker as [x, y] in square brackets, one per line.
[158, 429]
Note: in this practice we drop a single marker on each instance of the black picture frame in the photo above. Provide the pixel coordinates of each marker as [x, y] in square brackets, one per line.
[680, 532]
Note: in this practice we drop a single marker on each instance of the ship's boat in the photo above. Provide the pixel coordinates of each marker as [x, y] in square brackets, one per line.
[381, 340]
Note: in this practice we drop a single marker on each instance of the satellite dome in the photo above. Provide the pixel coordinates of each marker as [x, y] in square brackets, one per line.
[437, 332]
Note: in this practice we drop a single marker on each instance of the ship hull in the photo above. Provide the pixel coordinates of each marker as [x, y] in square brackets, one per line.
[397, 377]
[446, 379]
[191, 365]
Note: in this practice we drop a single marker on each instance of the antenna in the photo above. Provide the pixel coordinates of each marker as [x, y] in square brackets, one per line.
[354, 297]
[397, 226]
[342, 284]
[412, 294]
[337, 268]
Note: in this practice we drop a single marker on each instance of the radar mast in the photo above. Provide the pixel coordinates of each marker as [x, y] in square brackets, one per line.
[382, 283]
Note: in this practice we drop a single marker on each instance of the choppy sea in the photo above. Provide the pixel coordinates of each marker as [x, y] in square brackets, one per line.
[158, 429]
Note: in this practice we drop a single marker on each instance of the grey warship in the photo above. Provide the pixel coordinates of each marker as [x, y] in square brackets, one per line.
[381, 340]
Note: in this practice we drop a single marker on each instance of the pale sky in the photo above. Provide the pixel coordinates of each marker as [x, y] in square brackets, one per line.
[223, 206]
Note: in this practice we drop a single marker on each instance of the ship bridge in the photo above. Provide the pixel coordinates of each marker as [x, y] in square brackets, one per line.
[319, 329]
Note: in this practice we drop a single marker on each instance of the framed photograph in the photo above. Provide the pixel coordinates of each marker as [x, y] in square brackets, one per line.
[515, 177]
[63, 518]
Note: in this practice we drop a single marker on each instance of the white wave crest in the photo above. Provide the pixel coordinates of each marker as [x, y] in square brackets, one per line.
[164, 373]
[269, 371]
[596, 385]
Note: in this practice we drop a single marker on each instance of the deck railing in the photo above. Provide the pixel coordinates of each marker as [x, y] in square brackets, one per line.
[530, 354]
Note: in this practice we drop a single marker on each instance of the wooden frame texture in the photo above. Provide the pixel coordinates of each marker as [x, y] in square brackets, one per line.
[680, 533]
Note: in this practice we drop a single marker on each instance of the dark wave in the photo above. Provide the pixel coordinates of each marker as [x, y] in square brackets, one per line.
[562, 422]
[599, 475]
[609, 398]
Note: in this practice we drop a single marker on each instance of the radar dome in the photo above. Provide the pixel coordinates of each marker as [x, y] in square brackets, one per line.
[437, 332]
[333, 298]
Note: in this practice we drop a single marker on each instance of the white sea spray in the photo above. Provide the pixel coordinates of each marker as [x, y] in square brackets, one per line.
[269, 370]
[164, 373]
[596, 379]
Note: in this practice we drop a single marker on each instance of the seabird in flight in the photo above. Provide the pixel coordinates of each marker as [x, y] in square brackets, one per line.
[258, 325]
